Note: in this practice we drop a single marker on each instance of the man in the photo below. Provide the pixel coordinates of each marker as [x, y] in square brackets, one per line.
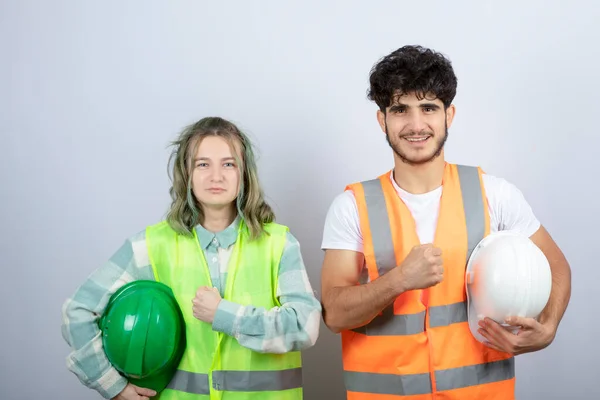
[238, 278]
[396, 249]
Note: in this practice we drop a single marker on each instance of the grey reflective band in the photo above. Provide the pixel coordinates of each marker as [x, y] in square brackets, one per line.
[447, 379]
[470, 187]
[257, 381]
[472, 375]
[189, 382]
[448, 314]
[390, 324]
[240, 381]
[401, 385]
[381, 234]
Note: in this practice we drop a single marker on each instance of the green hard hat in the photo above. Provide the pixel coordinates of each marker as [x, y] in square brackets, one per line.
[143, 333]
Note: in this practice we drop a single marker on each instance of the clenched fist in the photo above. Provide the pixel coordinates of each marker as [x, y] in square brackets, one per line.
[204, 305]
[422, 267]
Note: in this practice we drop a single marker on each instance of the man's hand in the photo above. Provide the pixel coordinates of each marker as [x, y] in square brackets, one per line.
[422, 267]
[132, 392]
[205, 303]
[532, 335]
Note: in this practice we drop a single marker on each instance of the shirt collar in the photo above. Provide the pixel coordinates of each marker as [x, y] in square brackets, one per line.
[224, 238]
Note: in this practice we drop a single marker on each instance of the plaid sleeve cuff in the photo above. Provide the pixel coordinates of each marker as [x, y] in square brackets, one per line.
[225, 317]
[110, 384]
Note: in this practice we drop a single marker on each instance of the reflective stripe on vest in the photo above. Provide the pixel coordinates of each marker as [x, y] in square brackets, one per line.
[389, 324]
[237, 381]
[214, 364]
[190, 382]
[407, 385]
[365, 373]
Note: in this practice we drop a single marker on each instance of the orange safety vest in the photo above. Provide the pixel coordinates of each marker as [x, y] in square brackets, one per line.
[420, 347]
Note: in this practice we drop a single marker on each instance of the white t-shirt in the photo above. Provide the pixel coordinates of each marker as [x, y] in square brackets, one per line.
[507, 206]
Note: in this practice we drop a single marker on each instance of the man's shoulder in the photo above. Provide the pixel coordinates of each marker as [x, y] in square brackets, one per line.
[491, 182]
[509, 206]
[384, 175]
[498, 186]
[343, 203]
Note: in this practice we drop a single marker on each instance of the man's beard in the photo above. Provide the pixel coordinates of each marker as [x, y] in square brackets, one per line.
[405, 159]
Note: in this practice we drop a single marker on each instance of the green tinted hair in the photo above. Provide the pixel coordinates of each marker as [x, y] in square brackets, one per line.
[185, 211]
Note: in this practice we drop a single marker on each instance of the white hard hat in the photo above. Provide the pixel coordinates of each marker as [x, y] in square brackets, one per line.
[507, 275]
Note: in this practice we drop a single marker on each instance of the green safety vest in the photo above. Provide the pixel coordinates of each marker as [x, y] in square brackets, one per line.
[214, 365]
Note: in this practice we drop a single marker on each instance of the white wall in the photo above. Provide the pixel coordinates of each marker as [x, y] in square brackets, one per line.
[91, 93]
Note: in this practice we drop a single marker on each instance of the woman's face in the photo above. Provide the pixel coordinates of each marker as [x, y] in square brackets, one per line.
[215, 173]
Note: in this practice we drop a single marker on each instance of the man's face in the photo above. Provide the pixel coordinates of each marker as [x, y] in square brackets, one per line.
[416, 129]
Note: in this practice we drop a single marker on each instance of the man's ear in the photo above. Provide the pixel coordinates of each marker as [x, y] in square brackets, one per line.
[450, 112]
[381, 120]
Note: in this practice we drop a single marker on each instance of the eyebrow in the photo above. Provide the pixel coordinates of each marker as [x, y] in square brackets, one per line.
[402, 106]
[429, 105]
[208, 159]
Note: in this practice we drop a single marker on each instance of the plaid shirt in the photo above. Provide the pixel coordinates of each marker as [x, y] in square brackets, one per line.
[292, 327]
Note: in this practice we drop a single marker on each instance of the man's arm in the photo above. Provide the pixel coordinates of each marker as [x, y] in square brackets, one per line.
[292, 327]
[346, 304]
[561, 280]
[536, 335]
[513, 212]
[349, 306]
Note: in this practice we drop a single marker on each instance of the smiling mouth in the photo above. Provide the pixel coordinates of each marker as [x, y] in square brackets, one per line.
[416, 139]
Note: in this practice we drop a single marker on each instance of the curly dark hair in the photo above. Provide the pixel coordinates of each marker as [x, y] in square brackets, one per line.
[412, 69]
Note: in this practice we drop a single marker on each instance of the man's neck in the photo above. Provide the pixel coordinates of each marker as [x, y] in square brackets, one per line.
[419, 179]
[217, 219]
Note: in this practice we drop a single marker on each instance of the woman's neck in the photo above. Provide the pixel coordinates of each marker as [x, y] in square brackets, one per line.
[217, 219]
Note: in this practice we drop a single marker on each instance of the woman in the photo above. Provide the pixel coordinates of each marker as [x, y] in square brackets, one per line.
[248, 306]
